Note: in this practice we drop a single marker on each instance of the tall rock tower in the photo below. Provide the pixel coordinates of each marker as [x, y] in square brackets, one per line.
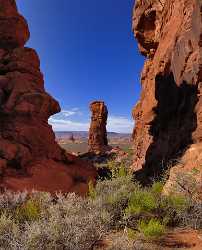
[98, 142]
[25, 107]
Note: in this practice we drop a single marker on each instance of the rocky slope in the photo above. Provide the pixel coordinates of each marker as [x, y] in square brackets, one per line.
[28, 151]
[169, 113]
[97, 141]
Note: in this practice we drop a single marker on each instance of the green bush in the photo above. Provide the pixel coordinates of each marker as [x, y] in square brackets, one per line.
[157, 188]
[91, 190]
[132, 234]
[122, 171]
[148, 203]
[118, 170]
[119, 188]
[39, 221]
[178, 202]
[29, 211]
[152, 229]
[112, 197]
[141, 201]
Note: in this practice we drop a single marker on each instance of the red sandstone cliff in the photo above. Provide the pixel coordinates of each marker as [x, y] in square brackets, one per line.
[169, 113]
[29, 156]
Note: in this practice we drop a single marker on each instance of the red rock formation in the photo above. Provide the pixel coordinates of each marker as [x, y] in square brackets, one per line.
[169, 114]
[28, 150]
[98, 142]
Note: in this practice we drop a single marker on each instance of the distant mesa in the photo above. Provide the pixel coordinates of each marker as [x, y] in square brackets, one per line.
[97, 141]
[29, 156]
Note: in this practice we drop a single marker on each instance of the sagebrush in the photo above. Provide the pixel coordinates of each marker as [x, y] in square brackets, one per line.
[41, 221]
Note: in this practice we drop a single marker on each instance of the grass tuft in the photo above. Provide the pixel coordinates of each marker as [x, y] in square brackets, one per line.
[152, 229]
[29, 211]
[141, 201]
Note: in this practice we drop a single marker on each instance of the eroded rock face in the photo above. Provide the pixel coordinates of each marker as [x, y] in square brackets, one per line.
[26, 139]
[169, 113]
[98, 142]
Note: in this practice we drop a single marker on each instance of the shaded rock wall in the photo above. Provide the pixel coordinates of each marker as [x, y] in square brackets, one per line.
[26, 139]
[98, 142]
[168, 115]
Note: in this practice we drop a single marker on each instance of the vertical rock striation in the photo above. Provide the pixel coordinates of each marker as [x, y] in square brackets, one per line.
[98, 142]
[27, 142]
[169, 113]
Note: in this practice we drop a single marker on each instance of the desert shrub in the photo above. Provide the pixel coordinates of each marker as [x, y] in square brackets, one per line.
[10, 200]
[186, 199]
[9, 233]
[145, 199]
[119, 189]
[74, 231]
[91, 190]
[119, 169]
[40, 221]
[63, 222]
[70, 223]
[151, 203]
[111, 164]
[192, 216]
[112, 197]
[141, 201]
[112, 191]
[122, 171]
[172, 209]
[132, 234]
[157, 187]
[120, 241]
[29, 211]
[42, 198]
[177, 202]
[81, 223]
[152, 229]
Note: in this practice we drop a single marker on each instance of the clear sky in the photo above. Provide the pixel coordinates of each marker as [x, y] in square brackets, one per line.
[87, 53]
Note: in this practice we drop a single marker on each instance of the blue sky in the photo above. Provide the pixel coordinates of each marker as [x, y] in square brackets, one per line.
[87, 52]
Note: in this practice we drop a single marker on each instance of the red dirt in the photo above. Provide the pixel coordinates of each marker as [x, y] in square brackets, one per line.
[51, 176]
[182, 239]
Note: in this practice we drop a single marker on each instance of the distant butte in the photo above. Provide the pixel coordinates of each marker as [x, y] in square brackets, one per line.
[29, 156]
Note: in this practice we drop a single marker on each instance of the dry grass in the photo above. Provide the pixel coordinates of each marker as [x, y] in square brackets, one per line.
[62, 223]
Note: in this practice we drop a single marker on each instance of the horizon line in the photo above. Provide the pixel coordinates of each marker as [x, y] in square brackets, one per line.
[61, 131]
